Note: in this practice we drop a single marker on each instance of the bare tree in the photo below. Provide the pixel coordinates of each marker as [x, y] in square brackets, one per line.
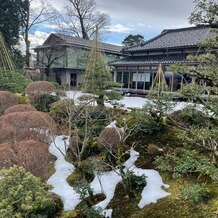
[34, 12]
[80, 17]
[49, 56]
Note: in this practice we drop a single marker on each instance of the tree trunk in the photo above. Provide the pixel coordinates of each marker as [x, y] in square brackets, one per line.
[27, 43]
[84, 33]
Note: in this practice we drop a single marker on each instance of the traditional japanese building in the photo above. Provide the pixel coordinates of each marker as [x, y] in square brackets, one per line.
[137, 71]
[66, 57]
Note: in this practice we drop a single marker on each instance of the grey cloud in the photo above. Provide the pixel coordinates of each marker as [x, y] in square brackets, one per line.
[158, 14]
[168, 12]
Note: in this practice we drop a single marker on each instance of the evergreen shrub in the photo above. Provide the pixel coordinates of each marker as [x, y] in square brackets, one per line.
[195, 193]
[13, 81]
[24, 195]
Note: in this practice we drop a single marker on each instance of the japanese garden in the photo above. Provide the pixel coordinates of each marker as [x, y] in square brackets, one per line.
[95, 129]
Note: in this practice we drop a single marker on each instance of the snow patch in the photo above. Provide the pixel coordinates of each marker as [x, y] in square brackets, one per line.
[139, 103]
[69, 196]
[104, 182]
[153, 189]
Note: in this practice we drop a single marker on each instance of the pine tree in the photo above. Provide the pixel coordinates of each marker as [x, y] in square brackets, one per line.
[97, 78]
[10, 21]
[206, 72]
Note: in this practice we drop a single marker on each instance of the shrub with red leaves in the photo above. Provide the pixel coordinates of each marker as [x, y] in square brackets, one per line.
[110, 137]
[6, 132]
[19, 126]
[7, 99]
[19, 108]
[32, 155]
[39, 88]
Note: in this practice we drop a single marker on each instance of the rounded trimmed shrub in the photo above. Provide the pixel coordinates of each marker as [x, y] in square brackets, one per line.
[29, 154]
[19, 108]
[24, 195]
[60, 110]
[39, 88]
[42, 94]
[6, 132]
[27, 125]
[29, 119]
[7, 99]
[110, 137]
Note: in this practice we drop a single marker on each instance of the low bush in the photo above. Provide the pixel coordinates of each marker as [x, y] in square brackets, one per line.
[22, 99]
[110, 137]
[189, 116]
[135, 184]
[44, 102]
[141, 122]
[195, 193]
[42, 94]
[7, 99]
[60, 110]
[13, 81]
[20, 126]
[39, 88]
[19, 108]
[24, 195]
[29, 154]
[188, 162]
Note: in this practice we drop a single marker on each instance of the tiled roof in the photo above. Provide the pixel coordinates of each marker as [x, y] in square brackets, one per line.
[150, 60]
[174, 38]
[87, 43]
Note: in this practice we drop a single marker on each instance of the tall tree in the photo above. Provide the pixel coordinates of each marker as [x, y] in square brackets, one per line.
[34, 12]
[80, 17]
[49, 56]
[98, 78]
[132, 40]
[10, 21]
[206, 12]
[206, 75]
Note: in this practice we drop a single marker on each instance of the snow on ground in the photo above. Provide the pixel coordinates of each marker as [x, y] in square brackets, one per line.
[104, 182]
[153, 190]
[63, 169]
[137, 102]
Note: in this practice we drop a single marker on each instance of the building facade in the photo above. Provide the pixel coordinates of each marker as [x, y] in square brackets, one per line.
[137, 71]
[64, 58]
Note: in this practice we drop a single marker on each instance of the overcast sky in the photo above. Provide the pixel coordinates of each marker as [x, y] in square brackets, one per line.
[145, 17]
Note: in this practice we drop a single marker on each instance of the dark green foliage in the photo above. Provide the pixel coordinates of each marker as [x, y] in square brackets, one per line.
[13, 81]
[86, 194]
[188, 162]
[97, 77]
[91, 149]
[44, 102]
[189, 116]
[141, 122]
[18, 59]
[131, 40]
[135, 184]
[195, 193]
[60, 110]
[53, 81]
[206, 12]
[10, 21]
[192, 91]
[24, 195]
